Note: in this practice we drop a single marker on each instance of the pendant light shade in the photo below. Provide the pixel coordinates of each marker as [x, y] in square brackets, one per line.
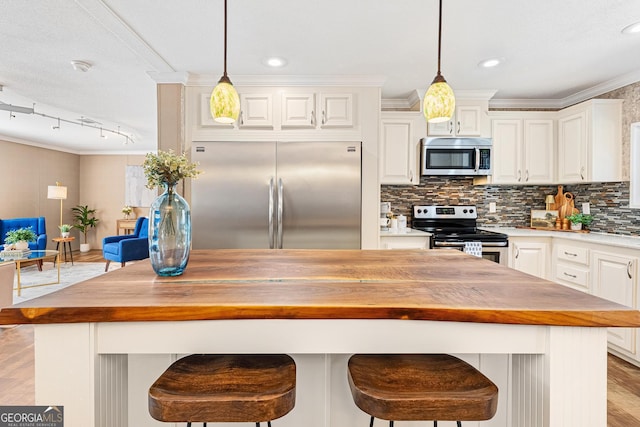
[225, 102]
[439, 101]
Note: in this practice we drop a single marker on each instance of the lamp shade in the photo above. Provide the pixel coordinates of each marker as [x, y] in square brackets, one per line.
[57, 192]
[439, 101]
[225, 102]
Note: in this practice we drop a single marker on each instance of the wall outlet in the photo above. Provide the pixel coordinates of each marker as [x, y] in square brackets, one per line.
[492, 207]
[586, 208]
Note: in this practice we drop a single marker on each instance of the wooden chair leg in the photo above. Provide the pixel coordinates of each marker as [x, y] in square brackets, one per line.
[106, 267]
[122, 264]
[39, 263]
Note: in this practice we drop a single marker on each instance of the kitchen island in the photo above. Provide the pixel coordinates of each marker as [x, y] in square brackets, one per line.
[101, 343]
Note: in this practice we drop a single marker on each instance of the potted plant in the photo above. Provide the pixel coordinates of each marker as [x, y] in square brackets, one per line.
[65, 229]
[85, 220]
[19, 239]
[578, 220]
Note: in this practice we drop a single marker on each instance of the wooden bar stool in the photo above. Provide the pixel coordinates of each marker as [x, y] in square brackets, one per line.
[225, 388]
[420, 387]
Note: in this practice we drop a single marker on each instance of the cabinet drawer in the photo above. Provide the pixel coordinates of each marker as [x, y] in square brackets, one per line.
[573, 275]
[573, 253]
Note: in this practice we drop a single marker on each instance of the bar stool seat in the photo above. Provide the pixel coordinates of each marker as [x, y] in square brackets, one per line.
[420, 387]
[224, 388]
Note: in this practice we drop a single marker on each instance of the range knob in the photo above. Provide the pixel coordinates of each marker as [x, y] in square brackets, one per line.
[470, 210]
[464, 211]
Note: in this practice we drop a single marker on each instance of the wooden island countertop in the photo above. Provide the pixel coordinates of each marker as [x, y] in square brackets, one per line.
[324, 284]
[101, 343]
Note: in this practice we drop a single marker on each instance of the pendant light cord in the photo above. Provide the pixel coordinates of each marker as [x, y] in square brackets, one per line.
[439, 34]
[225, 39]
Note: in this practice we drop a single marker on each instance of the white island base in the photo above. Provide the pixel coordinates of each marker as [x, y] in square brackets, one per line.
[548, 376]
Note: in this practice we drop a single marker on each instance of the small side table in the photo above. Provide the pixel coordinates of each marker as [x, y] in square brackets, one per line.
[128, 225]
[64, 240]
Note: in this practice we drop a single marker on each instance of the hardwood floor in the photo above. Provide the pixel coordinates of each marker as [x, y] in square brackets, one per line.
[17, 371]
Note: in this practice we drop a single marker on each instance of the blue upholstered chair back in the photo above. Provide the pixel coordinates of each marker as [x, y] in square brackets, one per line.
[36, 223]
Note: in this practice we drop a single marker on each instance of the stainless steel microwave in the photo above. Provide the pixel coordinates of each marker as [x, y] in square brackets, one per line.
[456, 156]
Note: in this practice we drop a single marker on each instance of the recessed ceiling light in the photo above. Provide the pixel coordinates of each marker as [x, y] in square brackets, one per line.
[489, 63]
[632, 29]
[275, 62]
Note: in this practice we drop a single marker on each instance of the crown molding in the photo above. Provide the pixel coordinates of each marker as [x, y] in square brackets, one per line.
[105, 16]
[181, 77]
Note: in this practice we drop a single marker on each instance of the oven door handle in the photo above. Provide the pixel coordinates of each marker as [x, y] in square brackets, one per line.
[449, 244]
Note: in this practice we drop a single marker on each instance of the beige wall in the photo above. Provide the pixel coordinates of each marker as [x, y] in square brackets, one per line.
[103, 189]
[28, 171]
[97, 181]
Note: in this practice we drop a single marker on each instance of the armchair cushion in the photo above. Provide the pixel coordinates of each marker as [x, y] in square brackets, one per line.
[37, 224]
[130, 247]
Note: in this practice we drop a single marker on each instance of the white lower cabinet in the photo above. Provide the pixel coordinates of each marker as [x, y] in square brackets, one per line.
[614, 279]
[529, 255]
[572, 266]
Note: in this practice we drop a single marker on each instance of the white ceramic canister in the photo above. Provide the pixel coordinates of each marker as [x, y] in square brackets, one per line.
[402, 223]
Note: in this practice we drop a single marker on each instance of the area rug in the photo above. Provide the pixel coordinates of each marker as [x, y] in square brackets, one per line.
[69, 274]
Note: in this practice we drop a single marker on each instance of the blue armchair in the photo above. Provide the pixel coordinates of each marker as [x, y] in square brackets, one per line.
[36, 223]
[130, 247]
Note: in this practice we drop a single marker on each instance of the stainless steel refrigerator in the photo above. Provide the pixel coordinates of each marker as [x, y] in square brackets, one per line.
[287, 195]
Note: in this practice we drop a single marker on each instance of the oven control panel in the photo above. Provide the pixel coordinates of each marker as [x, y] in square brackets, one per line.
[436, 212]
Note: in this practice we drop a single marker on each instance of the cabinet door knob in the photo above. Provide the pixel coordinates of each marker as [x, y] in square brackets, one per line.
[519, 175]
[517, 252]
[458, 131]
[411, 175]
[313, 117]
[323, 117]
[526, 175]
[582, 173]
[629, 270]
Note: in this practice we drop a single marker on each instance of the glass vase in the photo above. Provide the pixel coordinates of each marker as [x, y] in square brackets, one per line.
[169, 233]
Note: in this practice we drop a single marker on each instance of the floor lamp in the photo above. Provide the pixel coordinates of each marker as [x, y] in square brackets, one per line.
[57, 192]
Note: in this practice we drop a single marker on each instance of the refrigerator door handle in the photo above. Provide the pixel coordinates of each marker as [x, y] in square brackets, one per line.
[271, 233]
[280, 209]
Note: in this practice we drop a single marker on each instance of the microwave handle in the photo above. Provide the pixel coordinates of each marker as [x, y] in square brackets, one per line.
[477, 159]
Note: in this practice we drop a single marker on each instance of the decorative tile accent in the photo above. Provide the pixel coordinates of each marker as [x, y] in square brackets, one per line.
[609, 201]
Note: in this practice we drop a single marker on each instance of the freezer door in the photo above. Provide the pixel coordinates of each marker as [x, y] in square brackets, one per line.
[319, 186]
[230, 200]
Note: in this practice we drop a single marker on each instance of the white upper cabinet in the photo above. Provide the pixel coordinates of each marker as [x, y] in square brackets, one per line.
[256, 110]
[400, 134]
[311, 110]
[467, 121]
[523, 149]
[336, 110]
[299, 110]
[589, 142]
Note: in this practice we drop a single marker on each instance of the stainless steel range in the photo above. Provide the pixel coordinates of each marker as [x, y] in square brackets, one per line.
[453, 226]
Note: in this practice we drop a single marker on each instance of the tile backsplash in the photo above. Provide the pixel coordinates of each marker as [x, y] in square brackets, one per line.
[609, 201]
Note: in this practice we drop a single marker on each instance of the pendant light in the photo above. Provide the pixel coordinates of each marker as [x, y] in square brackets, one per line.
[439, 101]
[225, 103]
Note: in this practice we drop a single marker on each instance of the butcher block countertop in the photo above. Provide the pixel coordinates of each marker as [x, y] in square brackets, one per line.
[324, 284]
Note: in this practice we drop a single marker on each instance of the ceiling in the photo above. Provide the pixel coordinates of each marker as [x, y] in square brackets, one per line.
[554, 53]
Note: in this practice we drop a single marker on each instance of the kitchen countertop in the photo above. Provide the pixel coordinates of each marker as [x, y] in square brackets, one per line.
[410, 233]
[617, 240]
[323, 284]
